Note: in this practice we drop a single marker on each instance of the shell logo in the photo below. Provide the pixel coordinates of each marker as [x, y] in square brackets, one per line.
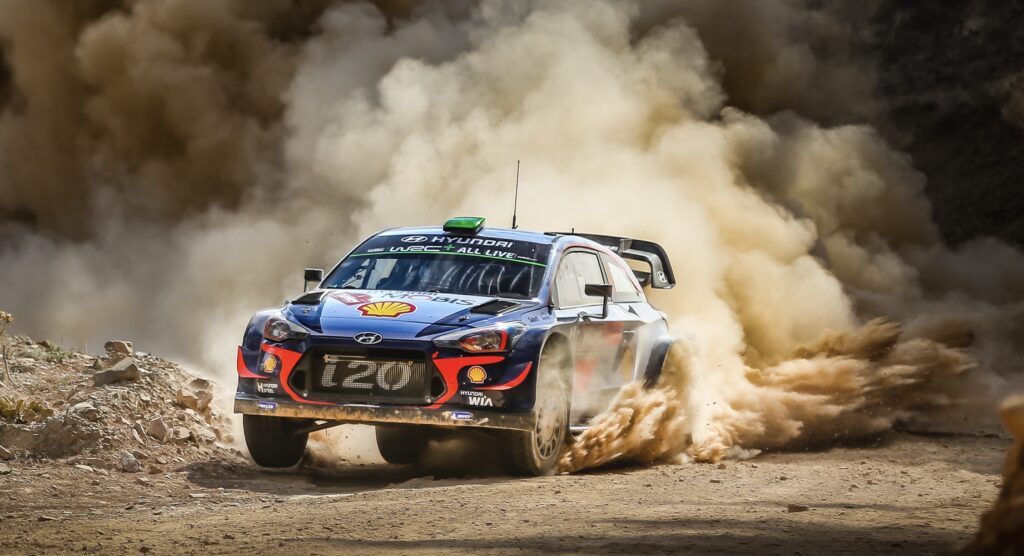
[476, 374]
[386, 309]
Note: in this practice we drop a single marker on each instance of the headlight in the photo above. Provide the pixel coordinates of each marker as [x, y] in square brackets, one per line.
[500, 337]
[279, 329]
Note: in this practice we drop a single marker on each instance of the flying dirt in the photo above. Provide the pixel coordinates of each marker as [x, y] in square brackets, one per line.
[166, 166]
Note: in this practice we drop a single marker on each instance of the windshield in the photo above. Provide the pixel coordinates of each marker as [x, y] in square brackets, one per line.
[444, 263]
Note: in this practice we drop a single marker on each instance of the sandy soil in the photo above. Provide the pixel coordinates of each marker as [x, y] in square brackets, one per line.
[902, 494]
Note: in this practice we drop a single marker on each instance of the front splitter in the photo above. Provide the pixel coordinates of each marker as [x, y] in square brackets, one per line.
[369, 414]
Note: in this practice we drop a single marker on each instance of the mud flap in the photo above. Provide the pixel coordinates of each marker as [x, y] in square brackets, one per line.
[657, 361]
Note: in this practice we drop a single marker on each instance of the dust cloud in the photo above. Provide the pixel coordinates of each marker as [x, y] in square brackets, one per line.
[169, 166]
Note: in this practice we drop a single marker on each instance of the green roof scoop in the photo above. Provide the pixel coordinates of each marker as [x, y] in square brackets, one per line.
[464, 224]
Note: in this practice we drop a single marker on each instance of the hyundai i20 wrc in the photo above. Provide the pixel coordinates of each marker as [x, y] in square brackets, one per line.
[434, 330]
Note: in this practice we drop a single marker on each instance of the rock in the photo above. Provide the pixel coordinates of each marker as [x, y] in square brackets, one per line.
[143, 481]
[158, 430]
[125, 369]
[205, 435]
[137, 437]
[46, 518]
[795, 508]
[128, 463]
[119, 347]
[5, 469]
[54, 437]
[5, 454]
[86, 411]
[197, 400]
[84, 467]
[721, 466]
[716, 481]
[181, 434]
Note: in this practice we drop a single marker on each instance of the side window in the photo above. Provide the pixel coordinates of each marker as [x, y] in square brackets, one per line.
[623, 289]
[578, 268]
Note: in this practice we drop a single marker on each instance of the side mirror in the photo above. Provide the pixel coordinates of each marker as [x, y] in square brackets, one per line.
[600, 290]
[312, 275]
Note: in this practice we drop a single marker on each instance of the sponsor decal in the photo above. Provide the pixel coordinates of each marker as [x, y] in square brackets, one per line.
[366, 375]
[266, 387]
[349, 298]
[267, 406]
[461, 240]
[476, 374]
[426, 296]
[368, 338]
[389, 309]
[270, 364]
[453, 250]
[414, 239]
[476, 398]
[462, 415]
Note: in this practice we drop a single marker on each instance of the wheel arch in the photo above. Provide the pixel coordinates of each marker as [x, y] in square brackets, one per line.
[558, 339]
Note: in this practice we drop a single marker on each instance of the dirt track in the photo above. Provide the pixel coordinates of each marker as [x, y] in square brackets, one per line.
[908, 494]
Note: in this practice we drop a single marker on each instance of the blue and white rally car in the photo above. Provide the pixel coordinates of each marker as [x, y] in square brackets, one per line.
[425, 331]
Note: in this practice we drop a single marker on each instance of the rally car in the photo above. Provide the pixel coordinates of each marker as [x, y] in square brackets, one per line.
[419, 331]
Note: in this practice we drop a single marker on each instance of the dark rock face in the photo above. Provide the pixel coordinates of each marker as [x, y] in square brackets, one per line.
[952, 74]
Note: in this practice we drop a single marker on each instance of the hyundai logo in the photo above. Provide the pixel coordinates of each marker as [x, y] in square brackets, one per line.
[367, 338]
[414, 239]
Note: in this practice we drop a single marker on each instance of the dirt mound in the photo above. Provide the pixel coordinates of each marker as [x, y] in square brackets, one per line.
[1002, 527]
[124, 410]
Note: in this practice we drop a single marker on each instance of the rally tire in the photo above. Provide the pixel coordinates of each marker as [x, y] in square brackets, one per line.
[536, 452]
[402, 445]
[272, 441]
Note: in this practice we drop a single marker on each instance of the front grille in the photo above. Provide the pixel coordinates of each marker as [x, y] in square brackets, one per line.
[369, 375]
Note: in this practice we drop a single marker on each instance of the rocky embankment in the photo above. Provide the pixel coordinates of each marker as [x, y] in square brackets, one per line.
[1002, 527]
[123, 411]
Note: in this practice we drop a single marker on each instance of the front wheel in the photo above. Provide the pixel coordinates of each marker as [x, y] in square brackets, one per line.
[272, 441]
[536, 452]
[402, 445]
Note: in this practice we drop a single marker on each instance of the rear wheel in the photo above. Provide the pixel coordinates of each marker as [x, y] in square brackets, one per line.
[402, 445]
[272, 441]
[536, 452]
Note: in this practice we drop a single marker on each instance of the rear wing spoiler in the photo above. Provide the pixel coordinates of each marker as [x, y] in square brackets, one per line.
[660, 275]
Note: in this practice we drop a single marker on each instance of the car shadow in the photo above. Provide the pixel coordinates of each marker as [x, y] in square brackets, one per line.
[460, 460]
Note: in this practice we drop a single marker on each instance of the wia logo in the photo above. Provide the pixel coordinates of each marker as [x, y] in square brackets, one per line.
[482, 401]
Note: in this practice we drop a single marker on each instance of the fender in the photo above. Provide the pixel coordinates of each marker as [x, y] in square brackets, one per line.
[253, 337]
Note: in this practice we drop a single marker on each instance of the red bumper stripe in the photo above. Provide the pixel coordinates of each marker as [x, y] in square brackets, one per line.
[244, 371]
[512, 383]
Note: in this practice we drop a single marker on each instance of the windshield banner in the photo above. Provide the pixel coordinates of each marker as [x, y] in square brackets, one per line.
[470, 246]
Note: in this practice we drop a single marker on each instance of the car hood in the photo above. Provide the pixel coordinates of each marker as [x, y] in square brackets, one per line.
[340, 311]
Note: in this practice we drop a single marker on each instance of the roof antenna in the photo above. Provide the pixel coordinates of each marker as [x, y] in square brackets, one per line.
[515, 203]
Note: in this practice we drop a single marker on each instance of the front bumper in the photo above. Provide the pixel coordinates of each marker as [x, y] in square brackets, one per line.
[370, 414]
